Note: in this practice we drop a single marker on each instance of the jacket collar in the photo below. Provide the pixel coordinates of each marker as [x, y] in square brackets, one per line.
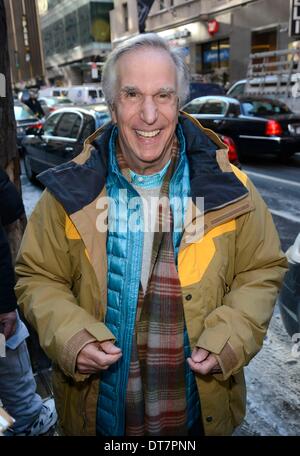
[77, 183]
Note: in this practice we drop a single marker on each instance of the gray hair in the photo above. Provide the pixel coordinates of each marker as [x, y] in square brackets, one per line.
[147, 40]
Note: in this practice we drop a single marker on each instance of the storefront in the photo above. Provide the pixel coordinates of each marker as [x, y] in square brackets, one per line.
[213, 60]
[185, 38]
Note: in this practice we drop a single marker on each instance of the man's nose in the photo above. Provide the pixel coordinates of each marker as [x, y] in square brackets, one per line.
[149, 110]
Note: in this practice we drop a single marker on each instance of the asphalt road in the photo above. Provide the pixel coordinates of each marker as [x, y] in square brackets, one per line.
[273, 381]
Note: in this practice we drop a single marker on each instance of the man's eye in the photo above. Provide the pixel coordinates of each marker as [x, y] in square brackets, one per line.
[164, 95]
[131, 94]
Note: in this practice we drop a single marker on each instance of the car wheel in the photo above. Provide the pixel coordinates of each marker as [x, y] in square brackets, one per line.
[28, 170]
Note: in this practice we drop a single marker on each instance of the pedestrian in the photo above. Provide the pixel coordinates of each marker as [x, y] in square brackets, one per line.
[32, 415]
[33, 103]
[149, 328]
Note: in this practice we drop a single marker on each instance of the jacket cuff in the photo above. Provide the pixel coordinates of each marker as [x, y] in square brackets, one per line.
[213, 340]
[227, 360]
[94, 332]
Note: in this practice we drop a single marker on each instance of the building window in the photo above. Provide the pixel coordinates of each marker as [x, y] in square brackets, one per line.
[215, 55]
[100, 28]
[125, 15]
[162, 4]
[263, 41]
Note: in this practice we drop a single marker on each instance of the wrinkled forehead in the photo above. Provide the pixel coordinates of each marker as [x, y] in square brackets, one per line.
[146, 67]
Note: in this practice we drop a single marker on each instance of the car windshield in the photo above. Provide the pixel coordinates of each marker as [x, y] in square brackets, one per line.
[261, 108]
[23, 113]
[63, 100]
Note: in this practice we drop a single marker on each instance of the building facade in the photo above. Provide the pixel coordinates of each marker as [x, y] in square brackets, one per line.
[24, 43]
[76, 39]
[216, 36]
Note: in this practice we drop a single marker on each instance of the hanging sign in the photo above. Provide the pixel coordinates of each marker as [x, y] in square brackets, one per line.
[213, 26]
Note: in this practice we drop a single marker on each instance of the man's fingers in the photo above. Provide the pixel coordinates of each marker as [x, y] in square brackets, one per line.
[92, 358]
[209, 365]
[109, 348]
[199, 354]
[103, 359]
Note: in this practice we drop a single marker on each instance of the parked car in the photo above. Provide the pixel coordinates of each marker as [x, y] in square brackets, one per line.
[26, 122]
[51, 104]
[61, 137]
[237, 89]
[257, 125]
[289, 296]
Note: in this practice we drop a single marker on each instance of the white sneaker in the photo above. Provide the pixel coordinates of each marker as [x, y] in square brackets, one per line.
[46, 419]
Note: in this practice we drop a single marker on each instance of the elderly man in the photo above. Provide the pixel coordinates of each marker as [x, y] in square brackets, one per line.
[149, 329]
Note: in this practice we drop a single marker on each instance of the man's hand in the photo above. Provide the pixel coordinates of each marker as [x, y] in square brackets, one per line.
[203, 362]
[97, 356]
[8, 321]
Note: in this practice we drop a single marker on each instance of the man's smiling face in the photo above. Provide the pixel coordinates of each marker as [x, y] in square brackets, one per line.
[146, 107]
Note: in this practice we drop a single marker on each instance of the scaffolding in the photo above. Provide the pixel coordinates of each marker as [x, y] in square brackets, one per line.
[275, 74]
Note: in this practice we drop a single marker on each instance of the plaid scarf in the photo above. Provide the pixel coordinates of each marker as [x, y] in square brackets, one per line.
[156, 396]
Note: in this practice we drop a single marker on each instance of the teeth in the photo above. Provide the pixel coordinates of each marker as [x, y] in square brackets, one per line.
[148, 134]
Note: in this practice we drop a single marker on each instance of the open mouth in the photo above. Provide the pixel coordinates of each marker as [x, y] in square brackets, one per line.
[147, 134]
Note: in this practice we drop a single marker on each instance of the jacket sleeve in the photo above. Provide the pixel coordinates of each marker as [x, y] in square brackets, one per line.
[44, 289]
[235, 330]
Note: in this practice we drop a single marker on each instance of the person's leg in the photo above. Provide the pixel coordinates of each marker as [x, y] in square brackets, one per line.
[18, 388]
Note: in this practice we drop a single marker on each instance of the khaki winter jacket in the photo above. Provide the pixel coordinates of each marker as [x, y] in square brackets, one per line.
[229, 277]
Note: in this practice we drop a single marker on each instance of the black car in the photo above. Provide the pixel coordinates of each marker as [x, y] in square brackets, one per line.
[257, 125]
[289, 296]
[61, 137]
[26, 122]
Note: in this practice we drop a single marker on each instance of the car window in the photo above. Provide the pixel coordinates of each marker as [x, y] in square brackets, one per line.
[56, 93]
[239, 89]
[234, 110]
[69, 125]
[50, 124]
[89, 128]
[93, 93]
[261, 108]
[213, 107]
[193, 107]
[100, 93]
[23, 113]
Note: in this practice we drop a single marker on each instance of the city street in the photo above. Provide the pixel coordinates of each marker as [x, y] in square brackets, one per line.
[273, 406]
